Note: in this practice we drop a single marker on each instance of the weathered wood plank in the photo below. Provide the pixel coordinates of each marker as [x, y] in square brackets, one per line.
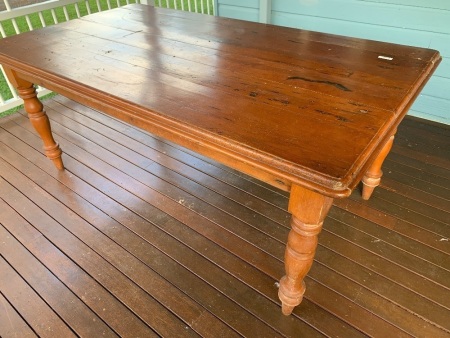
[57, 295]
[43, 320]
[396, 224]
[11, 323]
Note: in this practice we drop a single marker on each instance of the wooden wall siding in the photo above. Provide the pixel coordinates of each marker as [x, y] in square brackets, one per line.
[416, 22]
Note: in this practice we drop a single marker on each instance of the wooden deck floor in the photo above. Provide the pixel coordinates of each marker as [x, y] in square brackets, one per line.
[141, 238]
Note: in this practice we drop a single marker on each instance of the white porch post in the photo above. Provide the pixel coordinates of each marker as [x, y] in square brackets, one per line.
[265, 11]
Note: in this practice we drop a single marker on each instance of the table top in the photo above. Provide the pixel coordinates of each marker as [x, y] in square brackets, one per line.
[284, 105]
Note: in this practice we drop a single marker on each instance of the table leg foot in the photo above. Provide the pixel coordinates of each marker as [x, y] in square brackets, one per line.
[372, 178]
[308, 210]
[41, 123]
[287, 309]
[290, 294]
[369, 185]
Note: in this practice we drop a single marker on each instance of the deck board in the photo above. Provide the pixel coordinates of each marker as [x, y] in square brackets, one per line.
[57, 295]
[148, 238]
[11, 323]
[28, 303]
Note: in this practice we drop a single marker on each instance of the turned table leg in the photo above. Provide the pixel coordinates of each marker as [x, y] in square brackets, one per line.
[40, 122]
[308, 210]
[372, 178]
[37, 115]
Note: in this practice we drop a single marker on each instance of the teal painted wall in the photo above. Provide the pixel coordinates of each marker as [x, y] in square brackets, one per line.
[239, 9]
[423, 23]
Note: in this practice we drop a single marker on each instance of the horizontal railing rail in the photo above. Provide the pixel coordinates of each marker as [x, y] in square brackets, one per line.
[34, 16]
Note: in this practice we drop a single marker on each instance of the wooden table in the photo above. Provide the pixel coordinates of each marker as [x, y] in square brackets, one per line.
[309, 113]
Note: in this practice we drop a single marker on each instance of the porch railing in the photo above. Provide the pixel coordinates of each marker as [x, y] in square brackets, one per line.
[34, 16]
